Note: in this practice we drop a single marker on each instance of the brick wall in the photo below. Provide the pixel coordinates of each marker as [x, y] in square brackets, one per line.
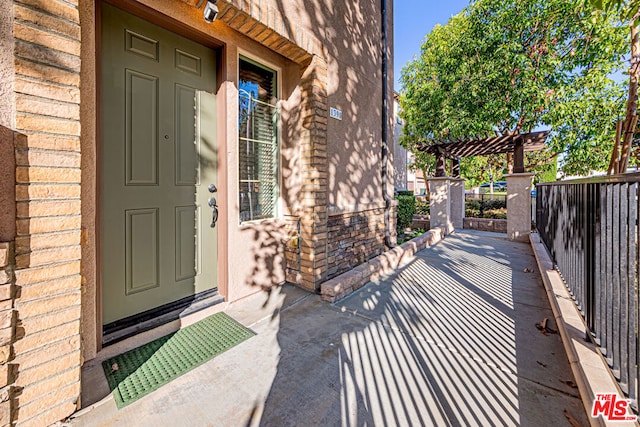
[47, 245]
[485, 224]
[313, 222]
[353, 239]
[264, 23]
[7, 333]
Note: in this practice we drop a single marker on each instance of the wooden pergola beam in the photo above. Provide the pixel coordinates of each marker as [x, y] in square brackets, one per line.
[533, 141]
[455, 167]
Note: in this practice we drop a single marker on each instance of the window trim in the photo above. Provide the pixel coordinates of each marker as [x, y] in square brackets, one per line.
[249, 57]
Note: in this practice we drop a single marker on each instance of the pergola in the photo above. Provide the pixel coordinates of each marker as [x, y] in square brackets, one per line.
[516, 144]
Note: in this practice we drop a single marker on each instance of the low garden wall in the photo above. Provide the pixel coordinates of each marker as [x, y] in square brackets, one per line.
[486, 224]
[375, 269]
[421, 222]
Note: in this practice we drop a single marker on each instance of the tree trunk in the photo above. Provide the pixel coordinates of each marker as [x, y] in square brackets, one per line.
[631, 117]
[615, 156]
[426, 184]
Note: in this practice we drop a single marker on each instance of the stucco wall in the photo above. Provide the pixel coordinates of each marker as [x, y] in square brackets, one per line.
[7, 185]
[7, 122]
[7, 97]
[349, 33]
[49, 90]
[255, 256]
[400, 153]
[351, 36]
[256, 250]
[353, 49]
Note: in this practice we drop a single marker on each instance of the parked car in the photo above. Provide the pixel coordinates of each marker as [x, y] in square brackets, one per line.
[498, 186]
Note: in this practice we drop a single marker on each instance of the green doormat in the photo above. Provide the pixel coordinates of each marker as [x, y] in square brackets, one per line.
[142, 370]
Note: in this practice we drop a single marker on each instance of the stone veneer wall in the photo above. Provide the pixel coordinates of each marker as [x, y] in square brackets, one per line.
[7, 333]
[353, 239]
[292, 250]
[46, 348]
[486, 224]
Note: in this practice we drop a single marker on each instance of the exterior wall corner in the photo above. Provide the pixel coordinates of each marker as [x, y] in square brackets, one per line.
[313, 223]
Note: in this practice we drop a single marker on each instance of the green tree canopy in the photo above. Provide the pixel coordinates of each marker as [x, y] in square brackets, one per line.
[509, 66]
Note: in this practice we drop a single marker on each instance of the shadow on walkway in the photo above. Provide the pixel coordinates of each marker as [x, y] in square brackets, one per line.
[450, 339]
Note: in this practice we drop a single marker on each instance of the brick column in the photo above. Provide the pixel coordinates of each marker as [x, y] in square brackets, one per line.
[46, 348]
[313, 222]
[519, 206]
[440, 201]
[457, 202]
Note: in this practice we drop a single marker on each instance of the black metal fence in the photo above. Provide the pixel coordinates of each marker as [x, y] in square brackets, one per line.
[486, 196]
[477, 204]
[590, 227]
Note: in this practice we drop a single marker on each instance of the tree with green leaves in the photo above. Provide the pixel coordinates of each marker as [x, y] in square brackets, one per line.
[628, 13]
[508, 67]
[424, 163]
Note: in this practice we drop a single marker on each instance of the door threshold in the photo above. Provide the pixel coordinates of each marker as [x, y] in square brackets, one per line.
[151, 319]
[95, 389]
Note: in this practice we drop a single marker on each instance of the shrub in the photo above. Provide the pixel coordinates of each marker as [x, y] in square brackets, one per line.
[473, 204]
[410, 235]
[494, 204]
[472, 213]
[406, 210]
[422, 208]
[405, 193]
[496, 209]
[495, 213]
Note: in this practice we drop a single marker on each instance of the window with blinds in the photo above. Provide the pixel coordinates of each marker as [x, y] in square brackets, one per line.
[257, 141]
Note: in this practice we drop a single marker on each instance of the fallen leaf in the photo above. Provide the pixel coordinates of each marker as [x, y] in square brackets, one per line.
[544, 365]
[528, 270]
[570, 383]
[114, 367]
[571, 419]
[542, 326]
[544, 329]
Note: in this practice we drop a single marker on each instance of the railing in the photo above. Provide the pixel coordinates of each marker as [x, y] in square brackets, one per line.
[486, 196]
[590, 227]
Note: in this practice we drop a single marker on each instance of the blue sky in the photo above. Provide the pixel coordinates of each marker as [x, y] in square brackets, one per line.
[414, 19]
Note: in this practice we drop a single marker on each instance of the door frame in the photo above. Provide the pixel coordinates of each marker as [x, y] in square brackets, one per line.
[91, 148]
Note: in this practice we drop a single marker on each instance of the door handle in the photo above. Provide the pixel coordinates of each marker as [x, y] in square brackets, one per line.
[212, 188]
[213, 204]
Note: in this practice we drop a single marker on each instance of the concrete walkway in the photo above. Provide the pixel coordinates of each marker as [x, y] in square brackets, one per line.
[450, 339]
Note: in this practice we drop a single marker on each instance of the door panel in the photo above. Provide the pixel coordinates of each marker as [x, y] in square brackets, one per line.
[141, 117]
[158, 115]
[141, 45]
[141, 250]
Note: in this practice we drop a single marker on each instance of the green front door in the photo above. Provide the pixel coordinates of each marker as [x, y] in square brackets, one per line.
[158, 166]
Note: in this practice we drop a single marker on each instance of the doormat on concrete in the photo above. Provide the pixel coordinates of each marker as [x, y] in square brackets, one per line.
[140, 371]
